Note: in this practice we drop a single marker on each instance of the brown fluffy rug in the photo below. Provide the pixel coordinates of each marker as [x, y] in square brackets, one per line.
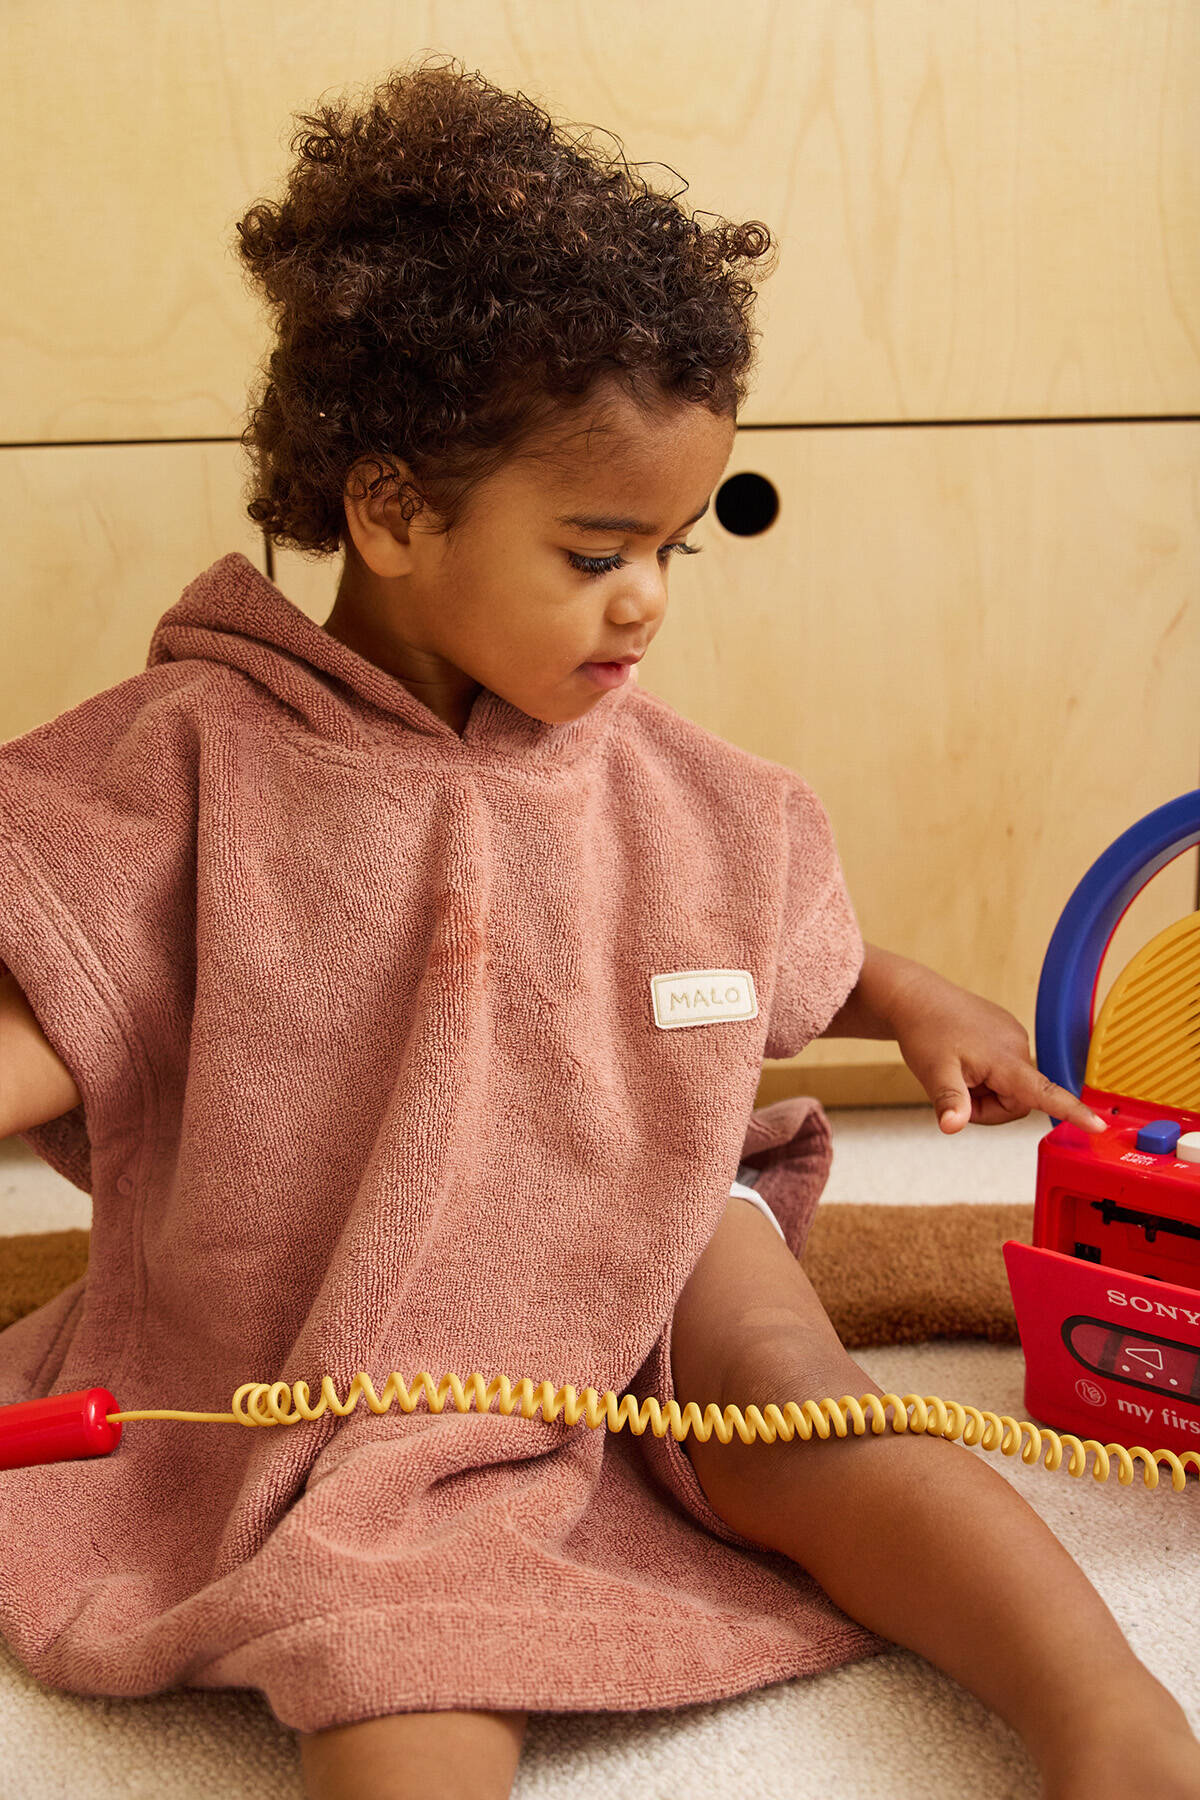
[884, 1274]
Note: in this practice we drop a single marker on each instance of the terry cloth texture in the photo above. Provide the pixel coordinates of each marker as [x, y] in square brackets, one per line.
[885, 1273]
[374, 1076]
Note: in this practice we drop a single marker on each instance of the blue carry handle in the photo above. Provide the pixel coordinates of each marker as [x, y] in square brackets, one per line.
[1064, 1001]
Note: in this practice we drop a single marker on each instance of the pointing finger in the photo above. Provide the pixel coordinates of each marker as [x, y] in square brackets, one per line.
[1036, 1089]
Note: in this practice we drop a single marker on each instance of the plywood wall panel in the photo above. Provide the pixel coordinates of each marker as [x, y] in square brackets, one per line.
[98, 544]
[982, 211]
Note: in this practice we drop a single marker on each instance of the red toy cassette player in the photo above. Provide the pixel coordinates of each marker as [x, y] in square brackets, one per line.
[1107, 1296]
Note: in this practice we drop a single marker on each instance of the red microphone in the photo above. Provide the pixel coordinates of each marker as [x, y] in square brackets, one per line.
[59, 1429]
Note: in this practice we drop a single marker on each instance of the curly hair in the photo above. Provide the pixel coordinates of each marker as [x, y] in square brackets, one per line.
[449, 277]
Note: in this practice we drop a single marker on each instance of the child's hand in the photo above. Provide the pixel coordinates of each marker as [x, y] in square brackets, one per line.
[972, 1058]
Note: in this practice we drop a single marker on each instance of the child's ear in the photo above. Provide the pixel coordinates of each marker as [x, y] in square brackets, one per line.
[381, 535]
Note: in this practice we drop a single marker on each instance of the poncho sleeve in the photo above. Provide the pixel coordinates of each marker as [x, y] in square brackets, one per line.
[820, 947]
[97, 902]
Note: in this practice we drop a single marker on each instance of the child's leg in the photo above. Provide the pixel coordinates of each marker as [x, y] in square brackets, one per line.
[913, 1536]
[409, 1756]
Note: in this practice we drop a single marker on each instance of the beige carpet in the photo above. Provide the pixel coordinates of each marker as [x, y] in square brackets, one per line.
[887, 1729]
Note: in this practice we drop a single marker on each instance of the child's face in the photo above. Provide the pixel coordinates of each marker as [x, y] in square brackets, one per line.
[500, 604]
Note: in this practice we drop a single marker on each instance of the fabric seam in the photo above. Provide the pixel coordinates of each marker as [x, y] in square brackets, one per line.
[64, 924]
[71, 935]
[380, 761]
[472, 1611]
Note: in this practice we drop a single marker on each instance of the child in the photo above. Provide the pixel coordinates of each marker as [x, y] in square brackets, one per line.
[399, 990]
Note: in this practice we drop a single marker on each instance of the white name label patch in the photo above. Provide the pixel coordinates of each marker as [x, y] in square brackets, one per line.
[702, 997]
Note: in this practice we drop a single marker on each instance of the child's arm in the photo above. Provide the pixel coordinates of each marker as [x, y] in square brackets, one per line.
[35, 1084]
[971, 1056]
[868, 1008]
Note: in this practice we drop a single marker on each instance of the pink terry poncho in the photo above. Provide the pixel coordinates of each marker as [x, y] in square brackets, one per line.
[399, 1050]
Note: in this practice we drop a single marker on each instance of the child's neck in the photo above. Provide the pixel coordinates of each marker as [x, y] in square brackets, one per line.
[361, 623]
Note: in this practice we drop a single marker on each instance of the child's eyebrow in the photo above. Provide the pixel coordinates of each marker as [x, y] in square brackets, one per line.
[610, 522]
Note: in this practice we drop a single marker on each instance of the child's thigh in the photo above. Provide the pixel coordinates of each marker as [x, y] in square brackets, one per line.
[409, 1756]
[748, 1326]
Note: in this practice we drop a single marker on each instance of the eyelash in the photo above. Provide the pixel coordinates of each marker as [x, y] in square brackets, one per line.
[604, 565]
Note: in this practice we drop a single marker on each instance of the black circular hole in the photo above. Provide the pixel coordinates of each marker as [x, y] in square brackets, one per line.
[747, 504]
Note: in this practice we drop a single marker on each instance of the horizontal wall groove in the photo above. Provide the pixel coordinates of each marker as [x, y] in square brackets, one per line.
[950, 424]
[750, 425]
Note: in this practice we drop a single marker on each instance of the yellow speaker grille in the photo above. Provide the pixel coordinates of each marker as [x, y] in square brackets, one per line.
[1146, 1044]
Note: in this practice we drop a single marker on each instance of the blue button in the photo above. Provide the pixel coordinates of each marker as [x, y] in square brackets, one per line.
[1160, 1137]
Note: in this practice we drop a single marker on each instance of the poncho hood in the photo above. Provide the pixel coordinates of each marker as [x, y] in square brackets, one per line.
[234, 615]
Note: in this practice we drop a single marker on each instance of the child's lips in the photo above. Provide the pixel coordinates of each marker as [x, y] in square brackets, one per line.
[606, 674]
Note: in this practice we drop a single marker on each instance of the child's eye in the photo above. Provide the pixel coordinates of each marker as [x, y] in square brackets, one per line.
[604, 565]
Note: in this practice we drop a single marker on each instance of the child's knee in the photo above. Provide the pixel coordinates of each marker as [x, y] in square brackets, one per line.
[749, 1315]
[789, 1364]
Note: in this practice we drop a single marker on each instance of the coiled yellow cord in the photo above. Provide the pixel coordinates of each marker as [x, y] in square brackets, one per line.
[280, 1403]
